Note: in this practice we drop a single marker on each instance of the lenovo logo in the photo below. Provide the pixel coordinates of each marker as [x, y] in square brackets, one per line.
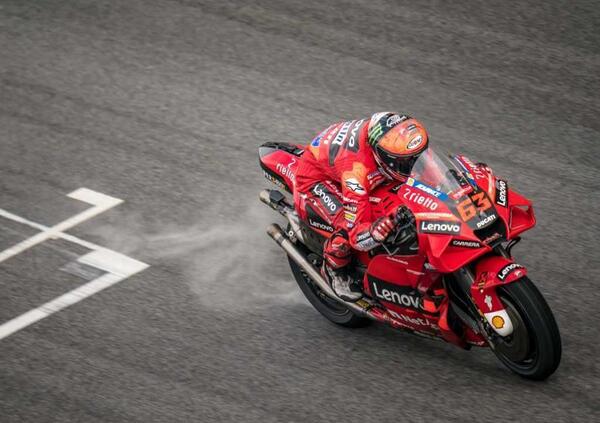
[439, 227]
[501, 193]
[507, 270]
[393, 294]
[320, 225]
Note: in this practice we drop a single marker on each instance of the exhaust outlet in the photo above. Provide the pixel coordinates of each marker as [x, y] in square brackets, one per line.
[265, 197]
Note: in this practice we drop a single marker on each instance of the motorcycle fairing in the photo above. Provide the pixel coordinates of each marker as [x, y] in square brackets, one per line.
[491, 272]
[279, 162]
[513, 208]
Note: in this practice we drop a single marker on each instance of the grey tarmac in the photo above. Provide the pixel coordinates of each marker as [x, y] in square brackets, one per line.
[164, 103]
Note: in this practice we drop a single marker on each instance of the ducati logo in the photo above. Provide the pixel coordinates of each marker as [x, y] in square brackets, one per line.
[486, 221]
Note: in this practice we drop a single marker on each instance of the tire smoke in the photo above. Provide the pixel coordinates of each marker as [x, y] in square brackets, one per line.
[227, 263]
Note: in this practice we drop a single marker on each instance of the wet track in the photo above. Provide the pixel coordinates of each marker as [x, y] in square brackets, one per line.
[163, 104]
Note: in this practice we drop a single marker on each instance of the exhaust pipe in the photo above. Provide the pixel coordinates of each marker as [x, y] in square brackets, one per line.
[288, 246]
[277, 201]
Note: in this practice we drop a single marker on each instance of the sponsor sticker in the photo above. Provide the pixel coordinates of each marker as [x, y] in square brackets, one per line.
[477, 171]
[365, 242]
[465, 243]
[488, 301]
[316, 221]
[501, 192]
[484, 222]
[375, 132]
[492, 238]
[420, 199]
[352, 143]
[394, 120]
[498, 322]
[414, 320]
[363, 235]
[339, 138]
[319, 225]
[425, 188]
[327, 198]
[350, 217]
[273, 179]
[373, 175]
[439, 227]
[507, 270]
[404, 296]
[286, 171]
[355, 186]
[415, 142]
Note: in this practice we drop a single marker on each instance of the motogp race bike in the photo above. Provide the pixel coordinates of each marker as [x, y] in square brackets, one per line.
[456, 281]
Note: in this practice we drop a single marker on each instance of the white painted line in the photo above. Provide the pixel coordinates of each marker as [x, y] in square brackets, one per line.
[94, 198]
[59, 303]
[113, 262]
[118, 266]
[100, 201]
[40, 227]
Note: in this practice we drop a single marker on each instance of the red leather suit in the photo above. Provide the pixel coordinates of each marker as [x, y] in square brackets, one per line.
[336, 174]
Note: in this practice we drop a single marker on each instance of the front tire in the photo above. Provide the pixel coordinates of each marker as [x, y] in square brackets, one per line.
[534, 349]
[331, 309]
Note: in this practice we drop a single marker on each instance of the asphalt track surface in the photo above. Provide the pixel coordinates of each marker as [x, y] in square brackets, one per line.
[163, 104]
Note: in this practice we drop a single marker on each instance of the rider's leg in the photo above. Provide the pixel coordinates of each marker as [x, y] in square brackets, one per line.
[337, 256]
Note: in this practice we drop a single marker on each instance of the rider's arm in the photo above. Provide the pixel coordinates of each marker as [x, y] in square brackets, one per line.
[357, 209]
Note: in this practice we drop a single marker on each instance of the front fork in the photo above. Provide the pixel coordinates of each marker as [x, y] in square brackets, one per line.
[481, 286]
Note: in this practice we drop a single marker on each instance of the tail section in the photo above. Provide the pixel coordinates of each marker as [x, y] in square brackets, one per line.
[279, 162]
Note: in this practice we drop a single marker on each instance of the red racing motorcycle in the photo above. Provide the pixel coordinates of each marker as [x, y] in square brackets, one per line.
[456, 281]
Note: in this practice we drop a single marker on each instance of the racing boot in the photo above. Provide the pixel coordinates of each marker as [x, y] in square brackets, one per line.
[337, 256]
[343, 285]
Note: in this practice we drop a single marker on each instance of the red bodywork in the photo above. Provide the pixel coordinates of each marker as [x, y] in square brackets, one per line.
[410, 287]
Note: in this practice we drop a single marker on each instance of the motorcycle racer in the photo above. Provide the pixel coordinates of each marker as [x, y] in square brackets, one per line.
[336, 173]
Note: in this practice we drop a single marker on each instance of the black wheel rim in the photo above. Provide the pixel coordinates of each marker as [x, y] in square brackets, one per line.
[331, 304]
[519, 348]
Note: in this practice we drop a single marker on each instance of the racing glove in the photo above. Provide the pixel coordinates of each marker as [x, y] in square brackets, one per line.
[405, 222]
[404, 217]
[381, 228]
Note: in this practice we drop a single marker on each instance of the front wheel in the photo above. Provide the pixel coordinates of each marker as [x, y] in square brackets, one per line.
[331, 309]
[533, 350]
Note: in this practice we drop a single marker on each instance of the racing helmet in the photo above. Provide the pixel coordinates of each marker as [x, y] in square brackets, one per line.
[397, 141]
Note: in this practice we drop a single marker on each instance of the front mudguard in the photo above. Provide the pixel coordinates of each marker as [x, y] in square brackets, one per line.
[490, 273]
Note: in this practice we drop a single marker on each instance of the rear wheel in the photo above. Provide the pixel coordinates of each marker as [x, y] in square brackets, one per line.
[331, 309]
[533, 350]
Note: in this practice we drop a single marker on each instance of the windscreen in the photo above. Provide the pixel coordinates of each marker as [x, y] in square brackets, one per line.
[445, 178]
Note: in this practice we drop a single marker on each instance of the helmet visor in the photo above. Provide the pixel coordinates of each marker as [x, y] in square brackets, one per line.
[401, 165]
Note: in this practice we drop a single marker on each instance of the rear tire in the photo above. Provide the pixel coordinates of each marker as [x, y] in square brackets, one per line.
[534, 349]
[331, 309]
